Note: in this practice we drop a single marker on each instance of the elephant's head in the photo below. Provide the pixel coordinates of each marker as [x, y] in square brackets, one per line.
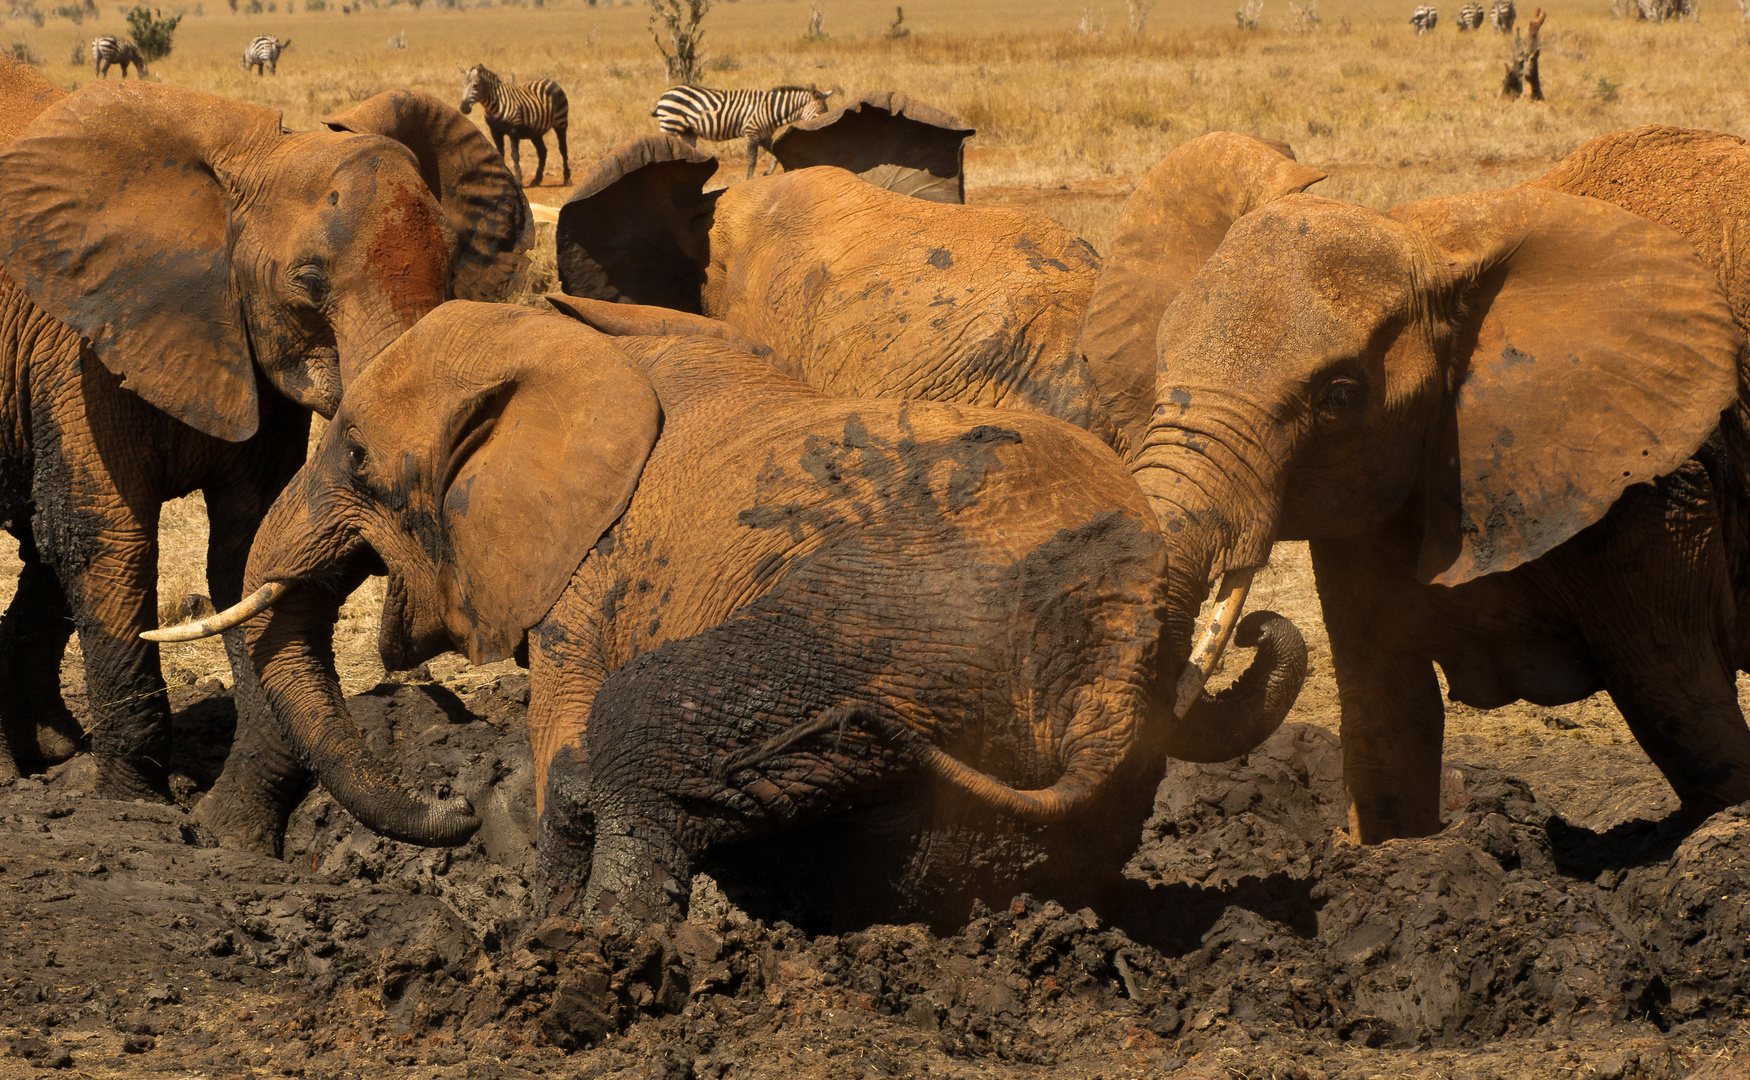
[891, 140]
[195, 244]
[464, 467]
[1485, 373]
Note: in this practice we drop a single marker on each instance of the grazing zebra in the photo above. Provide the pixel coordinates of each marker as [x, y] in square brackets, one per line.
[1501, 16]
[1424, 18]
[108, 50]
[522, 111]
[264, 52]
[1470, 17]
[754, 115]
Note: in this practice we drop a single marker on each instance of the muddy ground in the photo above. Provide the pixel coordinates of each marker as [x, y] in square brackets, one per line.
[1563, 925]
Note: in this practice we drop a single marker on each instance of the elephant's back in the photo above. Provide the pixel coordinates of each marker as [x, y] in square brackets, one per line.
[23, 94]
[869, 293]
[1696, 183]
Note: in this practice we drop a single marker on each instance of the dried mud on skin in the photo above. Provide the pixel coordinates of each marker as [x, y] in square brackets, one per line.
[1258, 942]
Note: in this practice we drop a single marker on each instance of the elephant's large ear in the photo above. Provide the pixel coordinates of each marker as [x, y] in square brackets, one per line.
[548, 428]
[494, 227]
[637, 229]
[1173, 222]
[116, 224]
[891, 140]
[1593, 350]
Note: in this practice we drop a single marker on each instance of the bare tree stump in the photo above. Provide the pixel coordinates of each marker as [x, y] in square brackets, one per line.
[1522, 79]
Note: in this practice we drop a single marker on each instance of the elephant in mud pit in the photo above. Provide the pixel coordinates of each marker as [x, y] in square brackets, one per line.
[1497, 418]
[786, 608]
[861, 292]
[184, 282]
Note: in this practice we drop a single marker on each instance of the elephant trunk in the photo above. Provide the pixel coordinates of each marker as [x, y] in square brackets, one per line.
[1218, 508]
[292, 646]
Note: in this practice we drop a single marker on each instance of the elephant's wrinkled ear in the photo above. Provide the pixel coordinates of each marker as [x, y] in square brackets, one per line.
[1173, 222]
[1593, 350]
[116, 224]
[542, 460]
[891, 140]
[494, 227]
[637, 229]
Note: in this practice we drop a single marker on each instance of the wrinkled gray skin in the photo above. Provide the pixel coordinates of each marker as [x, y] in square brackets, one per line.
[168, 321]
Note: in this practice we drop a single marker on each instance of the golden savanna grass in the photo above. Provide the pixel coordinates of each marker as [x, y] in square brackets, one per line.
[1067, 121]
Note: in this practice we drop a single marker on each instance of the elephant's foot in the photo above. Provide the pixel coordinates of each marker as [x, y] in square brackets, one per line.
[255, 794]
[128, 778]
[638, 873]
[565, 838]
[238, 821]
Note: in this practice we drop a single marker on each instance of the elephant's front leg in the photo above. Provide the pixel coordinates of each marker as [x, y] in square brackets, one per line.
[1394, 723]
[263, 780]
[34, 720]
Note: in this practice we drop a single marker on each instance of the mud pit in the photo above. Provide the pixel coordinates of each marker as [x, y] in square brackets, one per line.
[1519, 942]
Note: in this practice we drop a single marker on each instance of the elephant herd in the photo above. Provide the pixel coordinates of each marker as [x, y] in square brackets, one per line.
[831, 515]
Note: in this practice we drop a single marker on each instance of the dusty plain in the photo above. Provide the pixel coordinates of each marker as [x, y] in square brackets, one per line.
[1559, 927]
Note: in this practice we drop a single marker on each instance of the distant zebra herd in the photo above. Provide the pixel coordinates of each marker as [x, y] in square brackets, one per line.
[719, 115]
[108, 50]
[1470, 17]
[521, 111]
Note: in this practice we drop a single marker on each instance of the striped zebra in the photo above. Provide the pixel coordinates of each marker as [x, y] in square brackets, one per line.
[1470, 17]
[1501, 16]
[522, 111]
[264, 52]
[719, 115]
[1424, 18]
[108, 50]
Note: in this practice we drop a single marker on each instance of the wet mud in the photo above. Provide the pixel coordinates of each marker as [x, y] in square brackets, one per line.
[1256, 942]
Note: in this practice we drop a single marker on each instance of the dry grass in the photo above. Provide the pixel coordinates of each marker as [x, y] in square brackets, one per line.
[1067, 121]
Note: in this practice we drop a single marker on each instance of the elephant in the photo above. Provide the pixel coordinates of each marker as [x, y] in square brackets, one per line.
[745, 607]
[965, 304]
[1497, 419]
[863, 291]
[184, 283]
[887, 138]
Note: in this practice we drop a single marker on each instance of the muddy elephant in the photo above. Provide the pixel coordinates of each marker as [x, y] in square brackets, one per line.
[184, 283]
[786, 607]
[1497, 418]
[862, 291]
[857, 291]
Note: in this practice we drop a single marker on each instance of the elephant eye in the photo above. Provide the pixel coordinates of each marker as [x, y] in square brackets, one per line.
[312, 281]
[1340, 400]
[355, 456]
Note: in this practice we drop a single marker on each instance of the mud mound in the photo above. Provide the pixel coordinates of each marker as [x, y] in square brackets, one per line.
[1256, 941]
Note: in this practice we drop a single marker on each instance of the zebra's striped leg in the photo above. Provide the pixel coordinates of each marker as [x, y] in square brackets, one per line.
[516, 158]
[540, 159]
[753, 156]
[564, 155]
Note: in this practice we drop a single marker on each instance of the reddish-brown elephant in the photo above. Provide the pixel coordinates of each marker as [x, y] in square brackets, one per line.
[184, 282]
[1498, 419]
[786, 608]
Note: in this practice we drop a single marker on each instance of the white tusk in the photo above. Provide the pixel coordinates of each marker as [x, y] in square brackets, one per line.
[547, 215]
[1230, 601]
[242, 611]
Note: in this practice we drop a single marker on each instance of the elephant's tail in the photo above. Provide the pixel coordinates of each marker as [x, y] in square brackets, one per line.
[1078, 784]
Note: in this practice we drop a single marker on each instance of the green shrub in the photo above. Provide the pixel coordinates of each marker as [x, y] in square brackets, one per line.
[151, 31]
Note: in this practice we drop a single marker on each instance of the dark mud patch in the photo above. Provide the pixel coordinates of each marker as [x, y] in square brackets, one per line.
[1256, 942]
